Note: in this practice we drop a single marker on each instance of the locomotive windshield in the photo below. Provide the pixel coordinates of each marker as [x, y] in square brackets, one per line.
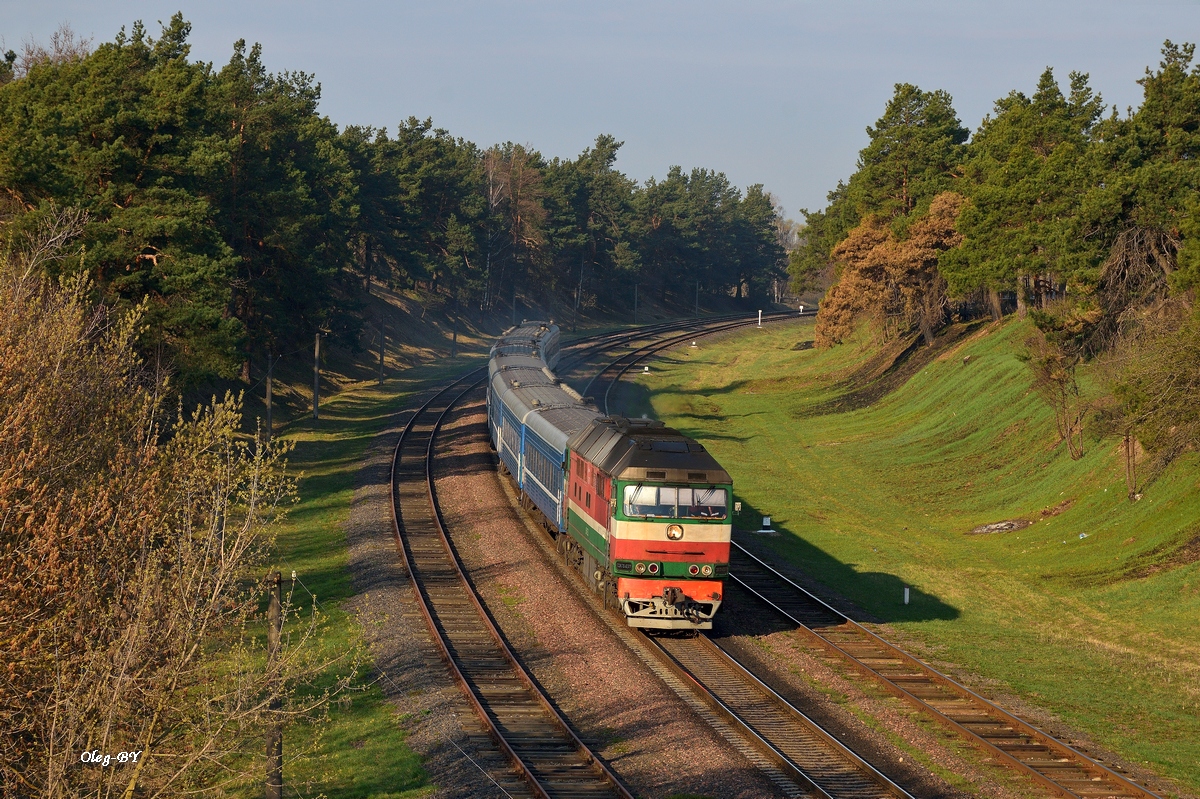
[670, 502]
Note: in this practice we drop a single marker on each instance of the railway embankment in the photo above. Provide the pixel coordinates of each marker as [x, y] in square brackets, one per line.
[1076, 617]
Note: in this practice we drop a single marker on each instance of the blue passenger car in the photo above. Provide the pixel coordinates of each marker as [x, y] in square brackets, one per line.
[531, 415]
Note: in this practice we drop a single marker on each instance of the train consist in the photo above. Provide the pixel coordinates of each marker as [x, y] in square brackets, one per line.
[641, 510]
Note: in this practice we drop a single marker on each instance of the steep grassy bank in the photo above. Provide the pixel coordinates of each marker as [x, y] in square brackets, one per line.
[1089, 611]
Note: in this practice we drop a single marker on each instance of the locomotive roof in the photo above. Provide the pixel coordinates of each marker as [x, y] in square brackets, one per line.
[646, 449]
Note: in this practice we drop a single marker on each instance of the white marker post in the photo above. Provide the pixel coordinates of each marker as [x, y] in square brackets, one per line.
[801, 310]
[760, 318]
[906, 594]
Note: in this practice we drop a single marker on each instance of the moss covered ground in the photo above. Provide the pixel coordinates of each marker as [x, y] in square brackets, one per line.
[1089, 612]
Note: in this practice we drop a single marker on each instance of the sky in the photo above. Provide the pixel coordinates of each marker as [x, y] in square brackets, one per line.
[778, 93]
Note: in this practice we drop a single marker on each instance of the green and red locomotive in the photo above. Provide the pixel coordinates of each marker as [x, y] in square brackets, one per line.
[641, 510]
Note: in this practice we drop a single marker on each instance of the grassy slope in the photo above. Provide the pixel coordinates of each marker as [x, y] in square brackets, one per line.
[361, 752]
[881, 497]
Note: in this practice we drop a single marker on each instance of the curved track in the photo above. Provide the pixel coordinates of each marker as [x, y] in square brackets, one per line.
[796, 745]
[609, 376]
[1053, 764]
[526, 727]
[1050, 762]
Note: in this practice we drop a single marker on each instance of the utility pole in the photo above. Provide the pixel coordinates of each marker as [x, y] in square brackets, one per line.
[514, 305]
[382, 346]
[578, 291]
[696, 310]
[635, 289]
[274, 787]
[270, 376]
[454, 337]
[316, 374]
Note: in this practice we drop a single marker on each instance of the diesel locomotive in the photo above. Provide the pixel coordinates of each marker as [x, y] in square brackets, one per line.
[639, 509]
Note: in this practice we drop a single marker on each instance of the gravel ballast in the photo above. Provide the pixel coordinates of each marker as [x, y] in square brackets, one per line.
[615, 703]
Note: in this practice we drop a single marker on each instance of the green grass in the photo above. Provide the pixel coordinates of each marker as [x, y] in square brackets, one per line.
[871, 500]
[360, 751]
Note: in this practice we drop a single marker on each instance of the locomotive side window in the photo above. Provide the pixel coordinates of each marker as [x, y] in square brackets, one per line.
[669, 502]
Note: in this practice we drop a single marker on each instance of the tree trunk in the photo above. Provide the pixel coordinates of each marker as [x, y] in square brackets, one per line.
[927, 331]
[1022, 287]
[367, 265]
[993, 299]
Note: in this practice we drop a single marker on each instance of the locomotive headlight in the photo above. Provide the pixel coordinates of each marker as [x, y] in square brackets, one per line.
[706, 570]
[693, 570]
[640, 568]
[674, 531]
[653, 568]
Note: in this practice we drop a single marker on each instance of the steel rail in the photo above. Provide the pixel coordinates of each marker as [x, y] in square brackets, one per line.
[612, 339]
[556, 772]
[798, 745]
[650, 349]
[827, 766]
[1051, 762]
[439, 632]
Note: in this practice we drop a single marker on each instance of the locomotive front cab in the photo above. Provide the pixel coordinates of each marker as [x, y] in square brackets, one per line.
[670, 550]
[665, 524]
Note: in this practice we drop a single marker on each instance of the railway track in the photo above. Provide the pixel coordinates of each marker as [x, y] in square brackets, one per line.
[611, 374]
[550, 759]
[796, 747]
[526, 728]
[800, 746]
[737, 692]
[1053, 764]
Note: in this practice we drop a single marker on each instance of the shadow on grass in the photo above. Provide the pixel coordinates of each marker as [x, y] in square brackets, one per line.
[864, 596]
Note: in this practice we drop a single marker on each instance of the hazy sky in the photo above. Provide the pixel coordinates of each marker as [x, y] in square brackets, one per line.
[777, 93]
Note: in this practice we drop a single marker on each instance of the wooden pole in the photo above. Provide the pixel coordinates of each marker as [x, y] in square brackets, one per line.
[270, 376]
[696, 311]
[578, 291]
[316, 374]
[274, 786]
[635, 299]
[382, 346]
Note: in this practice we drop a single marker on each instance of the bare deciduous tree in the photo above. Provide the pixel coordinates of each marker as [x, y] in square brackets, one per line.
[130, 555]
